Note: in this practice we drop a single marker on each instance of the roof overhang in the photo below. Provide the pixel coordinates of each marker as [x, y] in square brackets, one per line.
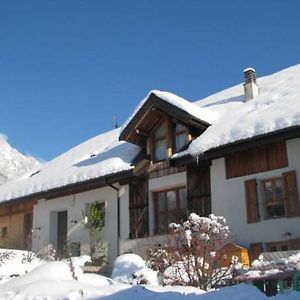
[259, 140]
[75, 188]
[139, 127]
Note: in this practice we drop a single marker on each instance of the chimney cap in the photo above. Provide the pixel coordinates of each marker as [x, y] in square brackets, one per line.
[249, 69]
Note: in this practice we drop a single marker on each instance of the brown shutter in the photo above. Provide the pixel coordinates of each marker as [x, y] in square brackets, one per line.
[198, 189]
[255, 250]
[251, 201]
[138, 207]
[291, 194]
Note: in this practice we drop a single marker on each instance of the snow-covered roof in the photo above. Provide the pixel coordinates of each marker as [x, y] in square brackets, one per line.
[276, 107]
[232, 119]
[100, 156]
[181, 103]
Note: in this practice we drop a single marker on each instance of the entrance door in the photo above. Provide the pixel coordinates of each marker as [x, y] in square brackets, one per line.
[62, 230]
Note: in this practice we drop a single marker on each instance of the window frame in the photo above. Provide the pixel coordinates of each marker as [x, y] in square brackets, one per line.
[178, 210]
[4, 232]
[162, 138]
[169, 138]
[174, 134]
[278, 246]
[275, 201]
[101, 206]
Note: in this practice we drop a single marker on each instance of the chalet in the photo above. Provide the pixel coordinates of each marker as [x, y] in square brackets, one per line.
[235, 153]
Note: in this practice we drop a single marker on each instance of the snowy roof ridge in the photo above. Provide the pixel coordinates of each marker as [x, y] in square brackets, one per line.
[181, 103]
[97, 157]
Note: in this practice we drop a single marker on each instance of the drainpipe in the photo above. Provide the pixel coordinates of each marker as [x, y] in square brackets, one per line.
[118, 214]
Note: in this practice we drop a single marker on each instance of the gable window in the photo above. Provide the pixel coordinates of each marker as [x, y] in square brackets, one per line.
[168, 138]
[160, 142]
[273, 192]
[179, 136]
[170, 206]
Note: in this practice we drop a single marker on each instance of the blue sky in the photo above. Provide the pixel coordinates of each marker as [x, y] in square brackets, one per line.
[68, 67]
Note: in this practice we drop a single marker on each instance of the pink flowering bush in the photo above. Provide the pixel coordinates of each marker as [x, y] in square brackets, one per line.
[191, 254]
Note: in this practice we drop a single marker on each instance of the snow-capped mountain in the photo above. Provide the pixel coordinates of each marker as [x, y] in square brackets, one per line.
[14, 164]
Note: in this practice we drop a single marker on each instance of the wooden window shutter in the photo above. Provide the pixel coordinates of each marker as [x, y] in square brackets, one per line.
[255, 250]
[251, 201]
[291, 194]
[138, 207]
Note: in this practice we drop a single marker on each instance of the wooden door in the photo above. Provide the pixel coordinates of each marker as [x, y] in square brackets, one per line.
[62, 231]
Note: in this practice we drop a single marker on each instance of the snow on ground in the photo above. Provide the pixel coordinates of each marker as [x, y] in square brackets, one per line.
[131, 268]
[54, 280]
[16, 262]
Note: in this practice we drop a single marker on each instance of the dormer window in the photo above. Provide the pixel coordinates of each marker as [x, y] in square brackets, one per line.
[168, 138]
[179, 136]
[160, 142]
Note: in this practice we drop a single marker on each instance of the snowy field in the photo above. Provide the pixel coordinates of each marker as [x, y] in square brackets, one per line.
[39, 279]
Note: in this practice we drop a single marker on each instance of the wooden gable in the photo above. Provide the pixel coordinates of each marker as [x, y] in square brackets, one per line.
[152, 111]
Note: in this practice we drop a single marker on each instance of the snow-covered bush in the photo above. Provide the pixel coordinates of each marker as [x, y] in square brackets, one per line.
[191, 254]
[132, 269]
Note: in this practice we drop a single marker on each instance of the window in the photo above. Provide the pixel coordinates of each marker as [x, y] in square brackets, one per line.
[179, 136]
[3, 232]
[160, 142]
[278, 246]
[170, 206]
[3, 237]
[95, 214]
[168, 138]
[273, 192]
[279, 197]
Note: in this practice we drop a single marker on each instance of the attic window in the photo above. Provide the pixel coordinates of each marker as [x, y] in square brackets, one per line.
[179, 133]
[160, 142]
[34, 173]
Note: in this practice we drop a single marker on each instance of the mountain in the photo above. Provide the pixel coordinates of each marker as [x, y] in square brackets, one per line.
[14, 164]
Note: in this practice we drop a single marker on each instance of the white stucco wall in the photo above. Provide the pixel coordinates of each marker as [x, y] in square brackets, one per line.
[45, 220]
[228, 199]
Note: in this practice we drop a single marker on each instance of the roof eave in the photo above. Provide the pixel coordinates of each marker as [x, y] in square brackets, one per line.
[73, 188]
[259, 140]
